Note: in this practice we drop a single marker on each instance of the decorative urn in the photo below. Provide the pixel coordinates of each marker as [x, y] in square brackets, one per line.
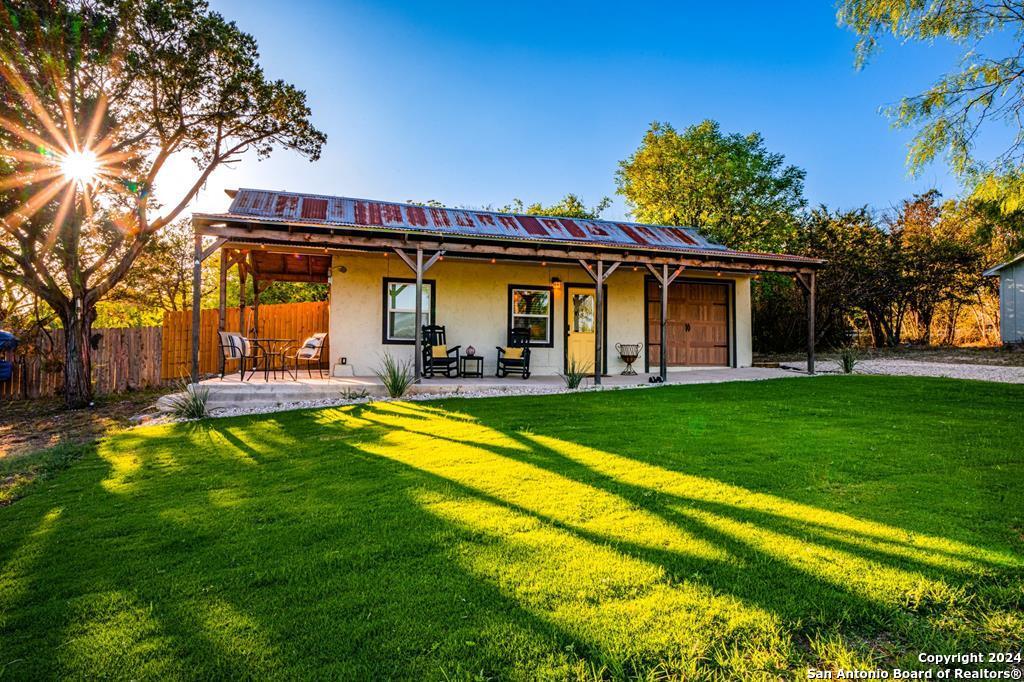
[470, 351]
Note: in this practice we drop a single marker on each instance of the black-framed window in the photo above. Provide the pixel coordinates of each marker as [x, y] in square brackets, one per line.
[532, 307]
[399, 324]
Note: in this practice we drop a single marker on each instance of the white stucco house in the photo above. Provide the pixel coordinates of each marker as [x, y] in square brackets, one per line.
[1011, 298]
[579, 287]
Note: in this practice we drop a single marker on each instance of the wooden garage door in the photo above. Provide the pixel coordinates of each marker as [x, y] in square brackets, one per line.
[697, 329]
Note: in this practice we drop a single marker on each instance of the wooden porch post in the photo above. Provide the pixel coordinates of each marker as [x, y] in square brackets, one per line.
[807, 281]
[598, 321]
[197, 283]
[662, 348]
[222, 300]
[242, 276]
[599, 274]
[665, 280]
[811, 293]
[418, 350]
[419, 267]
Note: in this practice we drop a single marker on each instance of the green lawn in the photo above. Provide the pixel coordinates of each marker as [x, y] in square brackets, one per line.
[698, 531]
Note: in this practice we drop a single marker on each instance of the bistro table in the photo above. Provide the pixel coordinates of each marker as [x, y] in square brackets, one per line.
[271, 352]
[476, 360]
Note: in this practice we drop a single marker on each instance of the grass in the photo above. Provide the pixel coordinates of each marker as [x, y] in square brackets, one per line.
[732, 530]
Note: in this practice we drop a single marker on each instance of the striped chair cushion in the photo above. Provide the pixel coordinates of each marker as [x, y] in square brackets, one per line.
[311, 347]
[235, 346]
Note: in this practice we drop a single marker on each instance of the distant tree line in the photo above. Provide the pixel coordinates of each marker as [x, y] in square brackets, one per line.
[909, 274]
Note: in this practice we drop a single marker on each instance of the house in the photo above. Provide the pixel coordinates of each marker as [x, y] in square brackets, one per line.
[1011, 298]
[579, 286]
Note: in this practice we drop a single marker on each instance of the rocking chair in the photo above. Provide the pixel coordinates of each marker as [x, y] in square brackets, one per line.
[515, 358]
[437, 356]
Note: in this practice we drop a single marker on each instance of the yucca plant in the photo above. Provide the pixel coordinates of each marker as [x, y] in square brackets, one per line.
[575, 373]
[848, 360]
[395, 375]
[190, 401]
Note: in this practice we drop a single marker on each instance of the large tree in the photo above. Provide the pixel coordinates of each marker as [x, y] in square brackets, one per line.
[987, 87]
[727, 185]
[96, 96]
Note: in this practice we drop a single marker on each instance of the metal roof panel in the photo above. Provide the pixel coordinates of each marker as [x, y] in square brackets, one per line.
[310, 208]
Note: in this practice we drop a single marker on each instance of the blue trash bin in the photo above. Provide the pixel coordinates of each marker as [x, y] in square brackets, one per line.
[6, 370]
[8, 341]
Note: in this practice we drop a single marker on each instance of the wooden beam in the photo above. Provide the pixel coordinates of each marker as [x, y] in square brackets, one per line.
[589, 269]
[600, 275]
[568, 254]
[267, 278]
[598, 321]
[242, 274]
[810, 322]
[418, 349]
[217, 243]
[222, 301]
[255, 295]
[408, 261]
[197, 285]
[433, 259]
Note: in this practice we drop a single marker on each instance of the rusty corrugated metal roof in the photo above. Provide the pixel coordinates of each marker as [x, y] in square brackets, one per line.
[331, 211]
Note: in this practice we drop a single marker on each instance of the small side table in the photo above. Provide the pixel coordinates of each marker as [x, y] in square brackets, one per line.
[476, 361]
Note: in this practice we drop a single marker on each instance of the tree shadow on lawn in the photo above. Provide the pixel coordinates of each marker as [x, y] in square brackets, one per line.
[331, 569]
[807, 564]
[398, 540]
[881, 448]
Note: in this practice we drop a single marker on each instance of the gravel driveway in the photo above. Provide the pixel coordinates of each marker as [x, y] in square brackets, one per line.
[1001, 373]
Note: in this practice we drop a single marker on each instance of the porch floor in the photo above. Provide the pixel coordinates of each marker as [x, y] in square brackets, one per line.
[231, 392]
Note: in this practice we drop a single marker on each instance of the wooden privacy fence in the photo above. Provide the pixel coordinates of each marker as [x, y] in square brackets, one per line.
[144, 357]
[125, 359]
[281, 321]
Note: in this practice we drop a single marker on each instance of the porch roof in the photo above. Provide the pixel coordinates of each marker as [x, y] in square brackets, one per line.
[327, 215]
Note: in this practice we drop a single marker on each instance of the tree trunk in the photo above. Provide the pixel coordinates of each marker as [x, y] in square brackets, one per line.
[924, 318]
[77, 355]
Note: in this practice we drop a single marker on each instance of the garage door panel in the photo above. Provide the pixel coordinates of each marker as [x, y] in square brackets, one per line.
[697, 327]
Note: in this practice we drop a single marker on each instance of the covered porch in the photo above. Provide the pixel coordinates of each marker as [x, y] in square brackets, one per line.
[663, 284]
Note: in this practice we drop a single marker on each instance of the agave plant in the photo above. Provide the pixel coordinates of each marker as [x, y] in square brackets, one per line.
[575, 373]
[396, 376]
[190, 401]
[848, 360]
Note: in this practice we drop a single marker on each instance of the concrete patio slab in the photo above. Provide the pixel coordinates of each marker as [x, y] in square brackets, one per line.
[232, 393]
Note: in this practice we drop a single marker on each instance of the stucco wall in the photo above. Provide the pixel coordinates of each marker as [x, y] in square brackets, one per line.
[1011, 303]
[472, 302]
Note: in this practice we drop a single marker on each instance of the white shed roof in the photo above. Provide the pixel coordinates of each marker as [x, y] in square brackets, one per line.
[995, 270]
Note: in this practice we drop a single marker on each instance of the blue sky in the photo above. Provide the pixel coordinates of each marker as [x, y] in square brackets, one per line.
[476, 103]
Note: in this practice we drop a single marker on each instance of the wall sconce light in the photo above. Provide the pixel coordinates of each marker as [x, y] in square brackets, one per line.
[556, 283]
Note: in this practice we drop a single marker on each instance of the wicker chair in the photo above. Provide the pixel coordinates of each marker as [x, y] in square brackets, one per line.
[234, 346]
[519, 345]
[437, 356]
[309, 352]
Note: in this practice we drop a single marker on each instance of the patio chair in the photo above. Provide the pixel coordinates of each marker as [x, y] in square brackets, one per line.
[437, 356]
[515, 358]
[234, 346]
[309, 352]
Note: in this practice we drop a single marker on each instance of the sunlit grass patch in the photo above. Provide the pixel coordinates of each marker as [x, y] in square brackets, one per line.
[705, 532]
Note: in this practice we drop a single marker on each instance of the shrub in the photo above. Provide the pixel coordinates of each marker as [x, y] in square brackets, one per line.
[396, 376]
[575, 373]
[190, 401]
[848, 360]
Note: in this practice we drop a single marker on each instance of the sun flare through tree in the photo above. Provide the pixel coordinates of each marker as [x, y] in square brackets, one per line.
[95, 98]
